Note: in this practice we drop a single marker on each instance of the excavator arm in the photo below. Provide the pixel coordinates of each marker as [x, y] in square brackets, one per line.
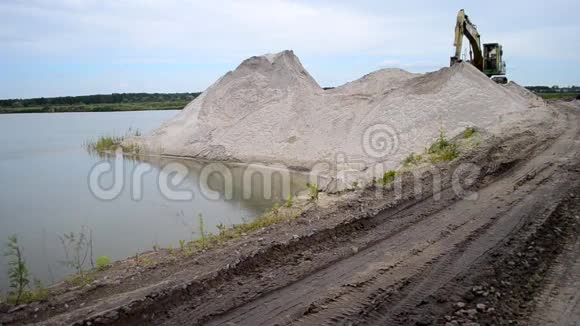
[465, 27]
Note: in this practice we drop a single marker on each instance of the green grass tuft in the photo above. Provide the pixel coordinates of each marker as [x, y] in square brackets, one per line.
[313, 191]
[469, 132]
[110, 144]
[443, 150]
[103, 263]
[388, 177]
[412, 159]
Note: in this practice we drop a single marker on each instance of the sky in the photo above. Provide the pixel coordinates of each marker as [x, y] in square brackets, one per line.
[79, 47]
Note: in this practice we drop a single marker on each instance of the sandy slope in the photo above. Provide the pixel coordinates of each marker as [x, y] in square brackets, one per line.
[269, 109]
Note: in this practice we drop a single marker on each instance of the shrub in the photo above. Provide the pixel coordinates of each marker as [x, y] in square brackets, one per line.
[442, 149]
[40, 293]
[17, 270]
[388, 177]
[103, 263]
[313, 191]
[76, 249]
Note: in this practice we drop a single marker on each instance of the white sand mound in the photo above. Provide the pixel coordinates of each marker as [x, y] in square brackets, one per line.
[269, 109]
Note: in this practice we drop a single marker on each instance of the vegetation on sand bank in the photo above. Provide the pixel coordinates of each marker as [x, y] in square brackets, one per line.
[388, 177]
[112, 143]
[19, 277]
[442, 149]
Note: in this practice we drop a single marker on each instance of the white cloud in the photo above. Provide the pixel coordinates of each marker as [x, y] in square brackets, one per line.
[338, 40]
[194, 26]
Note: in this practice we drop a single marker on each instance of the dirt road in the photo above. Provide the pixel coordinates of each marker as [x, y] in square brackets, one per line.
[408, 256]
[442, 256]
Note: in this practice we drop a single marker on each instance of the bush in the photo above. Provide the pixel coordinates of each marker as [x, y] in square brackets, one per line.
[443, 150]
[388, 177]
[17, 270]
[103, 263]
[313, 191]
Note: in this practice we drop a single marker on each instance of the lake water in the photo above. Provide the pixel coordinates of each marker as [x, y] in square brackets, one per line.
[45, 190]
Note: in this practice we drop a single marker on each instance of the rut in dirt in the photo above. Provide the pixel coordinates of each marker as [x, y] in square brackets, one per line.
[435, 242]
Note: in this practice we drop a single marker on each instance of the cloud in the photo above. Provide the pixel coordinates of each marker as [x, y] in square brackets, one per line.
[168, 43]
[189, 27]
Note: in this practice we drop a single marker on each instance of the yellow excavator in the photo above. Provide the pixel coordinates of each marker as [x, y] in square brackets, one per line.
[488, 60]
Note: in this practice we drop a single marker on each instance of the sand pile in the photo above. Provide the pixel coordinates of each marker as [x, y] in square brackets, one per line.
[269, 109]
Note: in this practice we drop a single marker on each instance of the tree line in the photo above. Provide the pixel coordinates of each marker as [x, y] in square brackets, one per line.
[114, 98]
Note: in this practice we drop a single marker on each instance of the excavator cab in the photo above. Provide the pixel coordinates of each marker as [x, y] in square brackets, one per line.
[493, 64]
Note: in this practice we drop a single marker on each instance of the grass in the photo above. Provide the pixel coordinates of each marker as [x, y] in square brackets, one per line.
[80, 280]
[289, 201]
[412, 159]
[39, 293]
[103, 263]
[388, 177]
[442, 150]
[110, 144]
[558, 96]
[313, 191]
[275, 215]
[469, 132]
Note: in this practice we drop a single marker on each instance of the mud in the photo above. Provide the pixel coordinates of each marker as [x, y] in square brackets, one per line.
[377, 256]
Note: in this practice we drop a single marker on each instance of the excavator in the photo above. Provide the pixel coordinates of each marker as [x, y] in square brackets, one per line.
[488, 60]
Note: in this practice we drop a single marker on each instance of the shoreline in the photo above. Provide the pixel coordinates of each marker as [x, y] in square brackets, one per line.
[335, 228]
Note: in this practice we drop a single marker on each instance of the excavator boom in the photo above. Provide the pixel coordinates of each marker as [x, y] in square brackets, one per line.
[488, 59]
[464, 27]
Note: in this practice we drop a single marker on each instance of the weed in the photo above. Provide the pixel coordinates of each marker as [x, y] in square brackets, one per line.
[222, 232]
[354, 184]
[131, 148]
[275, 210]
[469, 132]
[313, 191]
[76, 249]
[103, 263]
[105, 143]
[442, 149]
[111, 143]
[40, 293]
[170, 250]
[208, 240]
[289, 201]
[83, 280]
[17, 270]
[412, 159]
[146, 262]
[388, 177]
[203, 239]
